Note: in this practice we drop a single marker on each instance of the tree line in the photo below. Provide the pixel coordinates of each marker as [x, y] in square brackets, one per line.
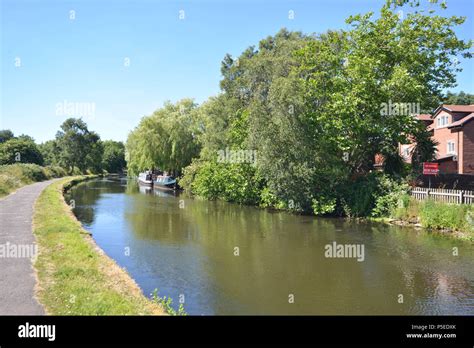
[309, 106]
[75, 148]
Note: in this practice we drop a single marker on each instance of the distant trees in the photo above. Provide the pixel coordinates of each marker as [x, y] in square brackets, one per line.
[5, 134]
[113, 159]
[79, 147]
[20, 149]
[50, 152]
[460, 98]
[75, 148]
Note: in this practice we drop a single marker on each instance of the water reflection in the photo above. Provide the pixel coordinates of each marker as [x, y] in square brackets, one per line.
[186, 246]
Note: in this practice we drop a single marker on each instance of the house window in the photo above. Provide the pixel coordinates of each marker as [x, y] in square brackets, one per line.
[406, 152]
[443, 121]
[451, 149]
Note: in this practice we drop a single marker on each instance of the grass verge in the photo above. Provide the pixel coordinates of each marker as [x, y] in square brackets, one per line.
[14, 176]
[456, 219]
[75, 277]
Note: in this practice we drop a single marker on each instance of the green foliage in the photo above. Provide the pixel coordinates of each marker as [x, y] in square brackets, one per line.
[50, 152]
[460, 98]
[94, 157]
[232, 182]
[165, 140]
[324, 205]
[439, 215]
[358, 196]
[113, 160]
[79, 147]
[435, 215]
[166, 303]
[350, 75]
[17, 175]
[269, 200]
[407, 209]
[79, 150]
[20, 150]
[390, 194]
[314, 109]
[5, 134]
[373, 195]
[424, 151]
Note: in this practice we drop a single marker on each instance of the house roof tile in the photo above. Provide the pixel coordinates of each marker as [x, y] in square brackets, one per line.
[459, 108]
[462, 121]
[454, 108]
[424, 117]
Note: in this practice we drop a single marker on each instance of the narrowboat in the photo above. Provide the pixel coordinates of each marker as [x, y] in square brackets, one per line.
[145, 178]
[164, 181]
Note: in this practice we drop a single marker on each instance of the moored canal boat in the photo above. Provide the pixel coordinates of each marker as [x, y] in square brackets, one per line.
[145, 178]
[165, 182]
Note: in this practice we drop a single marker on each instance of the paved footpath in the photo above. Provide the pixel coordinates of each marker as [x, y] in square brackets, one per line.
[17, 278]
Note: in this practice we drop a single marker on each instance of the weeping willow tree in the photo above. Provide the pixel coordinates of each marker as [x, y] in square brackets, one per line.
[164, 140]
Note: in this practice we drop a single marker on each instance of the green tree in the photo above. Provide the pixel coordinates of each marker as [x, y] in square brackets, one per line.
[166, 140]
[460, 98]
[20, 150]
[95, 154]
[79, 147]
[113, 159]
[350, 77]
[424, 150]
[50, 152]
[5, 135]
[250, 115]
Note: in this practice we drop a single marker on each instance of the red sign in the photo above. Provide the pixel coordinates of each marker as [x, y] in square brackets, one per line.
[430, 168]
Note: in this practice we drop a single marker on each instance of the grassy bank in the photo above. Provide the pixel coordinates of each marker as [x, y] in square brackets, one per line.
[75, 277]
[14, 176]
[455, 219]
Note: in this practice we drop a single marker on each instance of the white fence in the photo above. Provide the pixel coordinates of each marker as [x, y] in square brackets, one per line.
[443, 195]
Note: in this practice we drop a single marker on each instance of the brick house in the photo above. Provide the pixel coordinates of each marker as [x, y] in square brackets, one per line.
[452, 128]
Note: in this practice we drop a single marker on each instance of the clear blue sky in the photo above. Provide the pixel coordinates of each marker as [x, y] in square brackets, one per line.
[82, 60]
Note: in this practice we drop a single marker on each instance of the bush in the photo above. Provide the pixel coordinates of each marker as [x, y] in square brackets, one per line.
[230, 182]
[269, 200]
[374, 195]
[390, 195]
[237, 183]
[439, 215]
[436, 215]
[324, 205]
[13, 176]
[20, 150]
[407, 209]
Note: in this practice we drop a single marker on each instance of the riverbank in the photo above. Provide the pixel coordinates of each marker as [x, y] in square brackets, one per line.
[453, 220]
[75, 277]
[396, 207]
[14, 176]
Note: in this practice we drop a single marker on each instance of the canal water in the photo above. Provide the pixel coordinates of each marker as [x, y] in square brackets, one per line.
[222, 258]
